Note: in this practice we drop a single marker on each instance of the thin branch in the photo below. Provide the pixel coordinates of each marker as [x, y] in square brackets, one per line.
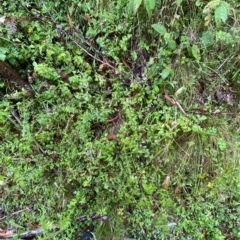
[15, 115]
[181, 109]
[223, 63]
[80, 46]
[14, 213]
[175, 103]
[40, 130]
[97, 59]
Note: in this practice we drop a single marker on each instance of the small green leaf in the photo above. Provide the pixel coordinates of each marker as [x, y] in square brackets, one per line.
[3, 52]
[159, 28]
[150, 5]
[198, 3]
[134, 56]
[149, 188]
[165, 73]
[156, 89]
[196, 52]
[180, 90]
[2, 57]
[221, 144]
[179, 2]
[224, 37]
[172, 45]
[236, 74]
[144, 202]
[196, 128]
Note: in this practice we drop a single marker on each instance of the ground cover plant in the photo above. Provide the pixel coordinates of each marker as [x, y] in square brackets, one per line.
[126, 109]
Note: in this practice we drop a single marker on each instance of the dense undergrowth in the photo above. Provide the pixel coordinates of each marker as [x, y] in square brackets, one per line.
[135, 115]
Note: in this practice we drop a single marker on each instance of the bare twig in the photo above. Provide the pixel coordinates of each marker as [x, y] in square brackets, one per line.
[40, 130]
[113, 119]
[15, 115]
[13, 122]
[97, 59]
[181, 109]
[175, 103]
[14, 213]
[68, 123]
[223, 63]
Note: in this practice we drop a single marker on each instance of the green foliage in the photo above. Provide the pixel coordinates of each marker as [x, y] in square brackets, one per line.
[149, 5]
[160, 28]
[135, 116]
[220, 9]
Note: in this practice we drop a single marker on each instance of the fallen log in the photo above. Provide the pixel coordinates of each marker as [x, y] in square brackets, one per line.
[32, 234]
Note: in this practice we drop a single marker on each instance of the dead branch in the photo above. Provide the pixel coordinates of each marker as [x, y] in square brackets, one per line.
[175, 103]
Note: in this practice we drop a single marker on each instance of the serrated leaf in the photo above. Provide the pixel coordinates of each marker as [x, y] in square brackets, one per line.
[159, 28]
[225, 4]
[207, 39]
[144, 202]
[196, 128]
[196, 52]
[149, 188]
[224, 37]
[172, 45]
[221, 12]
